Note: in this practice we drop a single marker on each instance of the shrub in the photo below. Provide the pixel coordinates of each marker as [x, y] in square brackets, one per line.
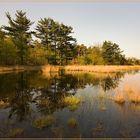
[44, 121]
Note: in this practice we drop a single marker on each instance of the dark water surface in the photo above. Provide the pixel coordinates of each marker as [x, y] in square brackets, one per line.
[97, 115]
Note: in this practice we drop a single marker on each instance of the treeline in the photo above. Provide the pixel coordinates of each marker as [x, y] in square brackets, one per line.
[52, 43]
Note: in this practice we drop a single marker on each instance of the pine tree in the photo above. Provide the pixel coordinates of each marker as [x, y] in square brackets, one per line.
[57, 37]
[18, 29]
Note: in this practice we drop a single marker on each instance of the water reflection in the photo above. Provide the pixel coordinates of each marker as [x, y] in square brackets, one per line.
[111, 82]
[31, 87]
[20, 102]
[28, 95]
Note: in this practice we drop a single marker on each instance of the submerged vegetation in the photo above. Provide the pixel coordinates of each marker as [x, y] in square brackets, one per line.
[129, 94]
[15, 132]
[72, 122]
[44, 121]
[73, 107]
[71, 100]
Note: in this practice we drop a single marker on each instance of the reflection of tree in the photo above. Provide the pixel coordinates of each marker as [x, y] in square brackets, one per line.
[52, 89]
[19, 104]
[61, 86]
[111, 82]
[133, 72]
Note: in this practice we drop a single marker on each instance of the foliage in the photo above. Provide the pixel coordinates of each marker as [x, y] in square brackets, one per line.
[18, 29]
[37, 56]
[53, 44]
[57, 37]
[112, 54]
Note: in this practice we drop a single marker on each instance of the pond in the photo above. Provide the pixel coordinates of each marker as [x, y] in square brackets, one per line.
[68, 105]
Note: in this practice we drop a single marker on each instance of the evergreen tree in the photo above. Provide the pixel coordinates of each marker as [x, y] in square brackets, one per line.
[66, 44]
[18, 29]
[112, 54]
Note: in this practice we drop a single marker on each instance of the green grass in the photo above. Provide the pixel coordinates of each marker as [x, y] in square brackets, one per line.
[73, 107]
[71, 100]
[15, 132]
[44, 121]
[72, 122]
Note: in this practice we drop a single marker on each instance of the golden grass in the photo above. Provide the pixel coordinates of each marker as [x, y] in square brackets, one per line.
[3, 104]
[119, 99]
[97, 130]
[72, 122]
[133, 93]
[71, 100]
[73, 107]
[9, 69]
[135, 99]
[100, 68]
[15, 132]
[58, 132]
[44, 102]
[82, 68]
[50, 68]
[130, 93]
[44, 121]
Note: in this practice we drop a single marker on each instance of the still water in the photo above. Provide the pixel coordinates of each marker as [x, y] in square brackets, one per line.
[26, 98]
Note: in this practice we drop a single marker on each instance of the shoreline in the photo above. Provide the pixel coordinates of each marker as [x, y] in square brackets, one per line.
[70, 68]
[102, 68]
[10, 69]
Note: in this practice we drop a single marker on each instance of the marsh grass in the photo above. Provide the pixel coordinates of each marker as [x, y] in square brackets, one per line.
[126, 134]
[98, 130]
[89, 68]
[50, 68]
[101, 96]
[44, 121]
[71, 100]
[133, 93]
[73, 107]
[57, 132]
[135, 99]
[3, 104]
[100, 68]
[130, 93]
[72, 122]
[119, 99]
[15, 132]
[9, 69]
[44, 102]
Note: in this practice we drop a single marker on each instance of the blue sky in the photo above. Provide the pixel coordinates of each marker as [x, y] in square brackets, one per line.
[92, 23]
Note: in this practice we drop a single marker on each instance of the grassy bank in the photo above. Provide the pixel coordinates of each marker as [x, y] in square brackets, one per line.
[90, 68]
[101, 69]
[70, 68]
[8, 69]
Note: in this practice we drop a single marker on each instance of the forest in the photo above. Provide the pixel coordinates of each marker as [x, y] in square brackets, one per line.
[52, 43]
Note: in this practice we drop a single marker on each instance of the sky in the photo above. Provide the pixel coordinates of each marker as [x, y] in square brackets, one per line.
[92, 22]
